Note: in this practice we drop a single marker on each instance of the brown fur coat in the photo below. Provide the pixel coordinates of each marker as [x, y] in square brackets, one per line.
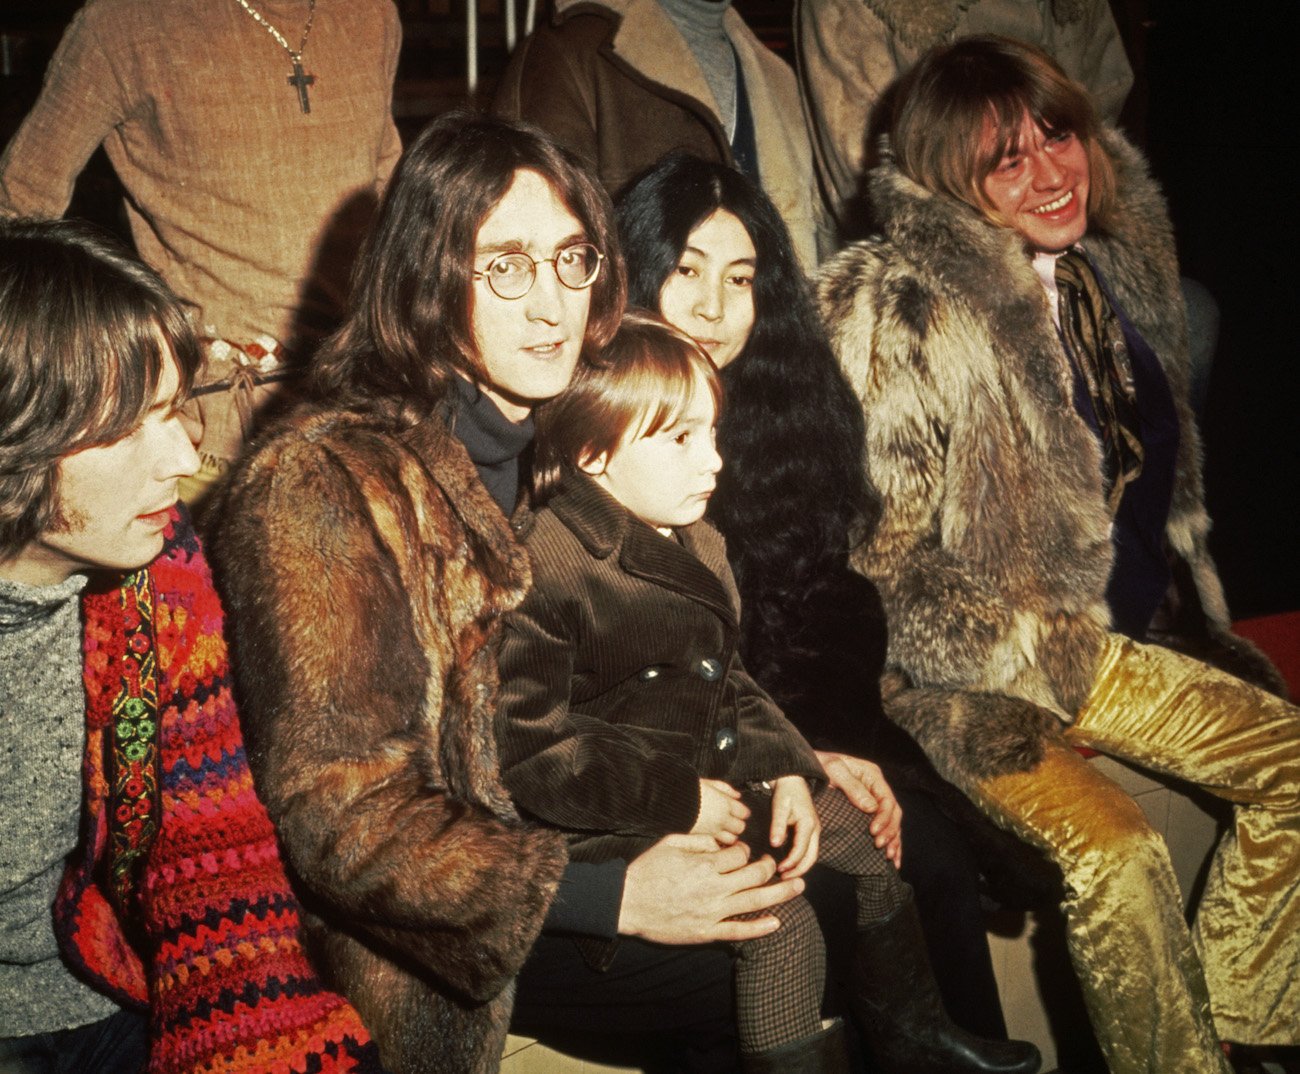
[366, 570]
[993, 549]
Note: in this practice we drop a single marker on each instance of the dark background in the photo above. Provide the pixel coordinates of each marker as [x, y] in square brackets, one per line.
[1215, 106]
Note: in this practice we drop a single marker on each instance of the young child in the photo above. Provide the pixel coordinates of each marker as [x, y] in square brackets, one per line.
[626, 715]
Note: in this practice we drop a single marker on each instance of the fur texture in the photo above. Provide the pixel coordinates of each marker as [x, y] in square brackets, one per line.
[970, 736]
[366, 570]
[993, 550]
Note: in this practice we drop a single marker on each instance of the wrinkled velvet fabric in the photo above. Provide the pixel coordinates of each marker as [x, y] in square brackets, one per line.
[1139, 967]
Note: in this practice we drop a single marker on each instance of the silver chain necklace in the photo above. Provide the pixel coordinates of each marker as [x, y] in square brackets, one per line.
[298, 80]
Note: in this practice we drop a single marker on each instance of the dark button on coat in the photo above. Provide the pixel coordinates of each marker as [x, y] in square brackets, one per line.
[590, 740]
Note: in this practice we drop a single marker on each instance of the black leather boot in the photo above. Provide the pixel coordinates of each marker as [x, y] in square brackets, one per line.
[896, 1001]
[822, 1053]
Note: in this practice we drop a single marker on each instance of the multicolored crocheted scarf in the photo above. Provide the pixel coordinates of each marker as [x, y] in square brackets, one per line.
[179, 902]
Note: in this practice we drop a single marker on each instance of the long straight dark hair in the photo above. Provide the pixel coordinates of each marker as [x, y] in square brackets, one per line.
[793, 496]
[408, 321]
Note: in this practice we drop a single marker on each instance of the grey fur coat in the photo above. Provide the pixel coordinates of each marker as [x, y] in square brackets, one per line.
[993, 549]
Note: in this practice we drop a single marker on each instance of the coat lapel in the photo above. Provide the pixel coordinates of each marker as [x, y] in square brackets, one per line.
[659, 559]
[606, 528]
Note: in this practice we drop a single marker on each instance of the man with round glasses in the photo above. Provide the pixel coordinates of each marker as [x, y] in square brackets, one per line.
[369, 555]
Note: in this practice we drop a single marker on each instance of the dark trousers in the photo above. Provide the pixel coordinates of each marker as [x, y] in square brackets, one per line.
[664, 1008]
[117, 1045]
[941, 868]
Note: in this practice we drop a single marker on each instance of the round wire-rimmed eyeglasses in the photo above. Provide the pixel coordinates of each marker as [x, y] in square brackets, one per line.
[512, 275]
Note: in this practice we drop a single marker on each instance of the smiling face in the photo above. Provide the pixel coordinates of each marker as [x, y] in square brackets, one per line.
[1040, 187]
[710, 294]
[666, 478]
[530, 345]
[114, 500]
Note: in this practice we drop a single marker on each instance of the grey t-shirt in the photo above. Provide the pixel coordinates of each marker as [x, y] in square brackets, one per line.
[42, 739]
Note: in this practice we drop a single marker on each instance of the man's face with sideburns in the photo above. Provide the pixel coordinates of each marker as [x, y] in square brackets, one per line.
[114, 500]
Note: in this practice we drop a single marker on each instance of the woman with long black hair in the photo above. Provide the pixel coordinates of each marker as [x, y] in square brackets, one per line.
[708, 250]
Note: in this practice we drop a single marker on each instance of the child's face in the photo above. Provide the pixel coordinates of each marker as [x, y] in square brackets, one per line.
[665, 479]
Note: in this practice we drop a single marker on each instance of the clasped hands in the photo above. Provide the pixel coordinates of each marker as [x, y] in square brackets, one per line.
[723, 814]
[702, 887]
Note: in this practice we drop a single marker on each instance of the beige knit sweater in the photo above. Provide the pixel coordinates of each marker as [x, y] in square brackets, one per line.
[248, 207]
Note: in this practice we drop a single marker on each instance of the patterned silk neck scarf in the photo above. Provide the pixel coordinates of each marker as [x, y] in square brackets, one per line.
[1094, 340]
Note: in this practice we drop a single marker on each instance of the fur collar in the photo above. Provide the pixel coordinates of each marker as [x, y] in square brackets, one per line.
[448, 463]
[989, 267]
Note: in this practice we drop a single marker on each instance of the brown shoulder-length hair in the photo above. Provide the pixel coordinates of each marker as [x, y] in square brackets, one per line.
[408, 320]
[640, 382]
[84, 333]
[946, 104]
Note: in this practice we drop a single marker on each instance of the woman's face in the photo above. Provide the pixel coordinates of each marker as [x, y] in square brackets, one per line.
[528, 345]
[710, 294]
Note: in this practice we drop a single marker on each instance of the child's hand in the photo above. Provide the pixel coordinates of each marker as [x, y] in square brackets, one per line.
[792, 807]
[722, 813]
[864, 785]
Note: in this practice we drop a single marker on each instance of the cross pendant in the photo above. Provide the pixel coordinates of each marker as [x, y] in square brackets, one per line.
[301, 82]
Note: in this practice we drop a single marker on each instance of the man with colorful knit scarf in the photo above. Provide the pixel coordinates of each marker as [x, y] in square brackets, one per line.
[145, 917]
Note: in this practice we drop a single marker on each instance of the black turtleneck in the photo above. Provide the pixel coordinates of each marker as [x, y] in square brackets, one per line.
[493, 441]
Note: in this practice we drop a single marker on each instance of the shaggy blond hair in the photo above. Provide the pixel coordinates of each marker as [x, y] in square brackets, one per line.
[947, 104]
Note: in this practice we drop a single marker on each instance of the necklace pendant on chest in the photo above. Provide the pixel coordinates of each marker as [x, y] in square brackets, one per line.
[300, 82]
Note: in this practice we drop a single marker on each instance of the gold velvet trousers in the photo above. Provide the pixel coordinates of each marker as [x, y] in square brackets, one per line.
[1144, 976]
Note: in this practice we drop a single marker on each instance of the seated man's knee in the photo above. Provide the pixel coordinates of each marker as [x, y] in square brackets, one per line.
[1115, 838]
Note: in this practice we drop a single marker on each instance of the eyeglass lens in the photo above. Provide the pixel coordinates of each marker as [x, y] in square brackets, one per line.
[512, 275]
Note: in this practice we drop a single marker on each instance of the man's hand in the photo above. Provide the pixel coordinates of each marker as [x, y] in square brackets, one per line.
[792, 807]
[722, 814]
[685, 888]
[864, 785]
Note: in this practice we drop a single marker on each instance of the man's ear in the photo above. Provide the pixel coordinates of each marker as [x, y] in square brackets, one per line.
[594, 465]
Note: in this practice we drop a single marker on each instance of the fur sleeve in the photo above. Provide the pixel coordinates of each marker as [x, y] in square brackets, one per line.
[343, 711]
[946, 627]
